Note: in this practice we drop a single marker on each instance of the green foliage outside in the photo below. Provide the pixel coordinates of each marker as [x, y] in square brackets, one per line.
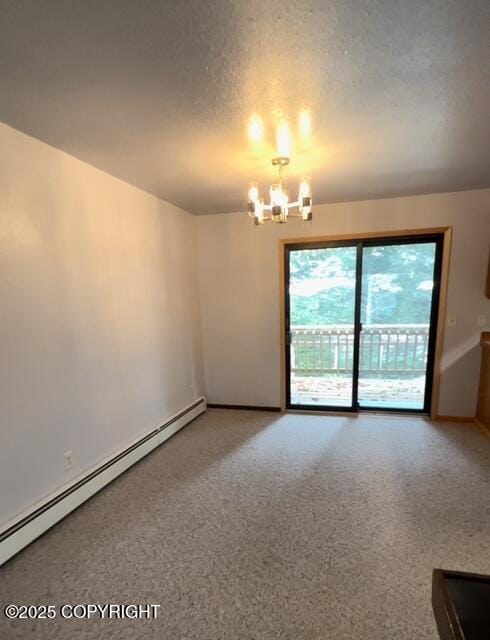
[396, 285]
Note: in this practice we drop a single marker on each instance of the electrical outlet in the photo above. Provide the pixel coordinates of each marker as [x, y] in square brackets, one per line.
[451, 321]
[481, 320]
[68, 460]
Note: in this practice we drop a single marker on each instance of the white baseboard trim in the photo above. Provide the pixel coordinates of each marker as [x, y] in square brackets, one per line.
[44, 515]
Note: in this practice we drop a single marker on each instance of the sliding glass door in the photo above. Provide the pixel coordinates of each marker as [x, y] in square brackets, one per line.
[397, 305]
[321, 325]
[360, 323]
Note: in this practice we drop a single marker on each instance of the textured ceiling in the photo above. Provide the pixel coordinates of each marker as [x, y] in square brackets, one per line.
[160, 93]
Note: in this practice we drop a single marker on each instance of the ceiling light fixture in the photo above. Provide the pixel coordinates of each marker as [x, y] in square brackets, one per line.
[279, 206]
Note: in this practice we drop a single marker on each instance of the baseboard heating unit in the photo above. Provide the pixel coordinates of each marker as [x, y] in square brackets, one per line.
[48, 512]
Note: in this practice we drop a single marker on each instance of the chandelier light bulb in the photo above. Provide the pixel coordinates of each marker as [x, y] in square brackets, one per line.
[253, 192]
[304, 199]
[276, 195]
[276, 202]
[284, 204]
[259, 212]
[253, 196]
[305, 188]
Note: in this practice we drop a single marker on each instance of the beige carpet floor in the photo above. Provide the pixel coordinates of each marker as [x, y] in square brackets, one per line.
[260, 526]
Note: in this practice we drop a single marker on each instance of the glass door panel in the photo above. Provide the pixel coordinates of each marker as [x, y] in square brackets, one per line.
[396, 310]
[320, 311]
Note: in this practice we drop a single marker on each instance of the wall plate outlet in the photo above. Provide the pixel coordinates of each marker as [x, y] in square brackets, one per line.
[451, 321]
[481, 320]
[68, 455]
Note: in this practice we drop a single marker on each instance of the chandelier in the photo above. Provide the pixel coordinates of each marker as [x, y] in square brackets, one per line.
[279, 206]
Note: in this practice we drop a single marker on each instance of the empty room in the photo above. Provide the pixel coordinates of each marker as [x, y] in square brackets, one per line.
[244, 320]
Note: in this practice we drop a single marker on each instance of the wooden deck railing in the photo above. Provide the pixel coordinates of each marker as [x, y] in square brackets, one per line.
[387, 348]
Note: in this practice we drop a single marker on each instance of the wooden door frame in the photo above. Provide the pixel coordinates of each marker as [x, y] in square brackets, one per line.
[446, 232]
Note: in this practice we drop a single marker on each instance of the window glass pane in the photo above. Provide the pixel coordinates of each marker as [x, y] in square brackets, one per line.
[397, 289]
[322, 299]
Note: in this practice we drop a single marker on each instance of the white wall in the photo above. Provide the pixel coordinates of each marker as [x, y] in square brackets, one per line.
[239, 284]
[99, 317]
